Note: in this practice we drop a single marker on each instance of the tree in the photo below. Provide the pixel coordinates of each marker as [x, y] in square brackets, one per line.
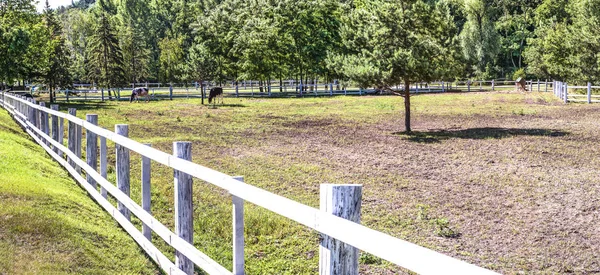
[171, 59]
[200, 65]
[388, 43]
[106, 59]
[56, 73]
[479, 38]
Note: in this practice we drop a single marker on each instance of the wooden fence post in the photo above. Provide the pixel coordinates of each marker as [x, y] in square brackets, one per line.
[54, 107]
[61, 132]
[531, 85]
[146, 194]
[78, 144]
[538, 84]
[71, 143]
[44, 121]
[238, 233]
[102, 91]
[546, 86]
[184, 223]
[171, 92]
[342, 200]
[237, 94]
[493, 85]
[589, 92]
[566, 93]
[122, 167]
[103, 164]
[91, 148]
[468, 85]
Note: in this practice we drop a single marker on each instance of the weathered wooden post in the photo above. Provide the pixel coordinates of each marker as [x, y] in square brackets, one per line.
[183, 205]
[546, 86]
[480, 85]
[238, 232]
[44, 121]
[342, 200]
[330, 89]
[538, 84]
[78, 144]
[61, 132]
[102, 94]
[468, 85]
[54, 122]
[103, 164]
[122, 167]
[171, 92]
[531, 85]
[493, 85]
[91, 148]
[589, 92]
[146, 194]
[269, 87]
[566, 87]
[72, 132]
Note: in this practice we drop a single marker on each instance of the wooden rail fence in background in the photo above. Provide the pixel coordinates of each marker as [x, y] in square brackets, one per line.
[290, 89]
[337, 220]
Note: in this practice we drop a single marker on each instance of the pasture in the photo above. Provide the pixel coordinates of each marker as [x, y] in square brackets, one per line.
[506, 181]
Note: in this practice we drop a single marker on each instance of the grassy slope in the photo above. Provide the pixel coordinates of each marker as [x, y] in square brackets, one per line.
[502, 180]
[48, 225]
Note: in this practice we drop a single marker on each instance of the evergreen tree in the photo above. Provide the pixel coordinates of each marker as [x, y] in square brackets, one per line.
[58, 63]
[105, 57]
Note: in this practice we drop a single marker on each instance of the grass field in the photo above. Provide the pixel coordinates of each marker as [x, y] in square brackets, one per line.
[48, 225]
[505, 181]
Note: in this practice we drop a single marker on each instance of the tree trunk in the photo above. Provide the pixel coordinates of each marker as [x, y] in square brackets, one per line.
[407, 105]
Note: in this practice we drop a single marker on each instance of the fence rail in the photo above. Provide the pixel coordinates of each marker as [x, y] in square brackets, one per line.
[561, 90]
[289, 89]
[34, 119]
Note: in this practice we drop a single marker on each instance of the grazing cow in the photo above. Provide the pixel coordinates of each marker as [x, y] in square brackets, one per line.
[214, 93]
[137, 92]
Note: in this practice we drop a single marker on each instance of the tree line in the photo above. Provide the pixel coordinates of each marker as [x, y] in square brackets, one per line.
[370, 43]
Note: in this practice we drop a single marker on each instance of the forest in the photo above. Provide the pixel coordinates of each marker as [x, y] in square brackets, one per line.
[370, 43]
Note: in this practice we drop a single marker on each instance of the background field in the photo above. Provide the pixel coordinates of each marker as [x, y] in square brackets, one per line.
[506, 181]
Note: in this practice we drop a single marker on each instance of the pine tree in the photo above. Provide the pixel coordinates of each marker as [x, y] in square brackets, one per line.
[56, 73]
[105, 57]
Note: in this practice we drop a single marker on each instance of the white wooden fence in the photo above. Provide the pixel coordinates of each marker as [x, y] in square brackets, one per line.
[561, 91]
[46, 127]
[290, 88]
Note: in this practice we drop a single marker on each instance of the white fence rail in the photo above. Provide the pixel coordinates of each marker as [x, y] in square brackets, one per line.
[288, 89]
[561, 91]
[34, 119]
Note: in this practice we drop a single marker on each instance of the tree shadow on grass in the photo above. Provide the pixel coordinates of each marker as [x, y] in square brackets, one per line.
[437, 136]
[64, 106]
[210, 106]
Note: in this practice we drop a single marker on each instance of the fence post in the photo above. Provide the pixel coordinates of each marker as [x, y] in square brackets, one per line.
[238, 232]
[237, 93]
[102, 94]
[103, 164]
[589, 92]
[61, 132]
[146, 193]
[546, 86]
[71, 143]
[480, 85]
[531, 85]
[538, 84]
[493, 85]
[468, 85]
[183, 205]
[78, 144]
[171, 92]
[54, 107]
[330, 89]
[342, 200]
[91, 148]
[44, 121]
[566, 93]
[122, 167]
